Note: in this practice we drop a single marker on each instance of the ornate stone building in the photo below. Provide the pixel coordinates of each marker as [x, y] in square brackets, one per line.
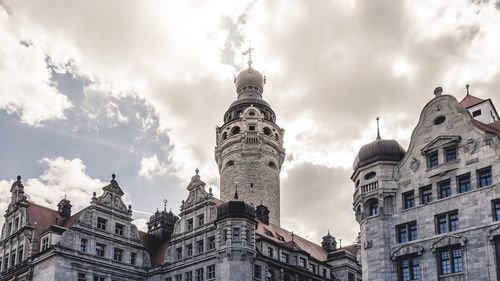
[237, 237]
[432, 212]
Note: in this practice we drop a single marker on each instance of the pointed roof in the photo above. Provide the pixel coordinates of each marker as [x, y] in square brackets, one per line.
[470, 101]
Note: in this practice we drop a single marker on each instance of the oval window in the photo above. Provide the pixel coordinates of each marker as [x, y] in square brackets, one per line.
[267, 131]
[439, 120]
[235, 130]
[370, 175]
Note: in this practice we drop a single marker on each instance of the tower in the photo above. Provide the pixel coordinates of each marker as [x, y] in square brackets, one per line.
[249, 146]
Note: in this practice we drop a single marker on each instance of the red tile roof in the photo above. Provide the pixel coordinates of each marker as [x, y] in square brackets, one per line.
[156, 249]
[43, 217]
[469, 101]
[315, 250]
[492, 128]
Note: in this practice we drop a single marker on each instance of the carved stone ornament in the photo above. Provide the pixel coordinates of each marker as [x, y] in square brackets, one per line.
[146, 260]
[67, 239]
[177, 227]
[407, 250]
[414, 164]
[134, 233]
[471, 146]
[86, 218]
[368, 244]
[197, 192]
[494, 232]
[449, 240]
[438, 107]
[213, 213]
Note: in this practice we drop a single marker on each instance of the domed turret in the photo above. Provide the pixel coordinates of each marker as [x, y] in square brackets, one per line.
[329, 243]
[249, 79]
[378, 150]
[235, 208]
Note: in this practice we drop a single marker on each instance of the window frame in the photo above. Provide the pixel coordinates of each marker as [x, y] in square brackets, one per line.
[448, 222]
[459, 183]
[425, 193]
[480, 179]
[409, 200]
[430, 159]
[444, 185]
[102, 223]
[414, 272]
[119, 229]
[452, 148]
[454, 267]
[406, 230]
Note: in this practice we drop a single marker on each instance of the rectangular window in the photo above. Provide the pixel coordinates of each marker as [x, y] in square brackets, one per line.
[476, 113]
[407, 232]
[236, 234]
[20, 254]
[211, 242]
[432, 159]
[373, 208]
[251, 128]
[100, 249]
[9, 228]
[178, 252]
[6, 262]
[444, 189]
[119, 229]
[285, 258]
[447, 222]
[257, 271]
[189, 224]
[312, 268]
[409, 268]
[270, 252]
[45, 243]
[13, 258]
[99, 278]
[211, 272]
[450, 260]
[199, 274]
[484, 177]
[188, 276]
[408, 200]
[426, 194]
[201, 220]
[351, 277]
[83, 245]
[495, 204]
[16, 224]
[200, 246]
[178, 277]
[450, 153]
[463, 183]
[302, 262]
[82, 276]
[101, 223]
[133, 257]
[118, 254]
[189, 250]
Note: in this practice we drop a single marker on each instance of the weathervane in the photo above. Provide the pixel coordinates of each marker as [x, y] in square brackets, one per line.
[378, 129]
[249, 53]
[165, 204]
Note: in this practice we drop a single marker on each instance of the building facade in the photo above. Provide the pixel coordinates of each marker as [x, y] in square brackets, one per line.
[432, 212]
[236, 237]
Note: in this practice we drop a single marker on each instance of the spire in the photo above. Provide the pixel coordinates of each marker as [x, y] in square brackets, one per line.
[378, 129]
[165, 204]
[467, 88]
[249, 53]
[236, 191]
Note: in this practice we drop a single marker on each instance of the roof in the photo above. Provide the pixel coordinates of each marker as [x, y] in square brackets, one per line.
[378, 150]
[43, 217]
[469, 101]
[313, 249]
[156, 249]
[492, 128]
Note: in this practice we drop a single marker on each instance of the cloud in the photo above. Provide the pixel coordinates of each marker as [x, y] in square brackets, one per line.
[26, 88]
[62, 177]
[151, 166]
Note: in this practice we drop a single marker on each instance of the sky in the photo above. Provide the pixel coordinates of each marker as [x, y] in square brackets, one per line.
[136, 88]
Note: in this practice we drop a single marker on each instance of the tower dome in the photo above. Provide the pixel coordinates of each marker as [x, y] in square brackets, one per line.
[251, 79]
[378, 150]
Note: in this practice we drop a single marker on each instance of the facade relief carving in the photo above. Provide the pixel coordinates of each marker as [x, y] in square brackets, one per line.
[414, 164]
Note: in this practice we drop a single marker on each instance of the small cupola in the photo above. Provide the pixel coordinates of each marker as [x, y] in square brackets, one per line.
[235, 208]
[64, 208]
[378, 150]
[262, 213]
[161, 224]
[329, 243]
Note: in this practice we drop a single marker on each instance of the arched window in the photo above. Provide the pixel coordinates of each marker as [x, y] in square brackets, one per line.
[277, 137]
[235, 130]
[229, 163]
[272, 165]
[267, 131]
[224, 135]
[372, 207]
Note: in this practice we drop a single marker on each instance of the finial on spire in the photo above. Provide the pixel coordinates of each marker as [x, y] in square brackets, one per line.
[113, 176]
[249, 53]
[328, 231]
[378, 128]
[236, 190]
[64, 196]
[165, 204]
[467, 88]
[18, 178]
[196, 171]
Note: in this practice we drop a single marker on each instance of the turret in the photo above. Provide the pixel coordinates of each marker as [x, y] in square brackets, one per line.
[236, 239]
[329, 243]
[64, 208]
[249, 147]
[161, 224]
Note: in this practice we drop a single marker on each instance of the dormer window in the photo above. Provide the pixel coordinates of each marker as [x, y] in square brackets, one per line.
[432, 159]
[450, 153]
[476, 113]
[45, 243]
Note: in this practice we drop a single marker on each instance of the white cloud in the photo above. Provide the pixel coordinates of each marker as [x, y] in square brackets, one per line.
[152, 166]
[26, 89]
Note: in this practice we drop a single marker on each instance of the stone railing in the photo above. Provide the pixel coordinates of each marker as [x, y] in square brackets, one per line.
[252, 137]
[369, 187]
